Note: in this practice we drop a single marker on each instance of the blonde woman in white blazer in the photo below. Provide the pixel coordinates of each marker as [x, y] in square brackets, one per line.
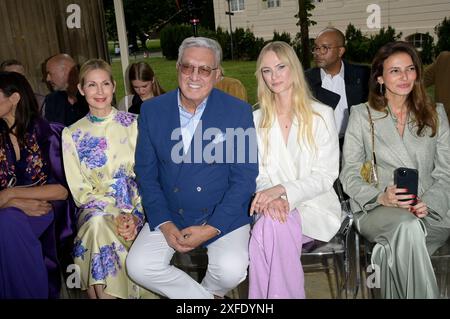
[298, 162]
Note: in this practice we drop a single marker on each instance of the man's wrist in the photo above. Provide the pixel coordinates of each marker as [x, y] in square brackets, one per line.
[212, 230]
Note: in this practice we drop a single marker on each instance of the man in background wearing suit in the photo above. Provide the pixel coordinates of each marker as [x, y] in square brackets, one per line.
[438, 74]
[334, 81]
[65, 104]
[192, 199]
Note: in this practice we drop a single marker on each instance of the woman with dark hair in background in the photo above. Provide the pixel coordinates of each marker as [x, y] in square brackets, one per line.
[31, 186]
[143, 85]
[409, 131]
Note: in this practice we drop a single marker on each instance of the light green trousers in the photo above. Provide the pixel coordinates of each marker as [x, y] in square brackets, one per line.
[401, 254]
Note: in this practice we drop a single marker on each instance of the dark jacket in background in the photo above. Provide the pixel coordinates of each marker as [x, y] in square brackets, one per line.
[58, 109]
[356, 79]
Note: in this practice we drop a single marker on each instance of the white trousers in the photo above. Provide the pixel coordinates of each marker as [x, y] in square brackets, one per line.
[148, 264]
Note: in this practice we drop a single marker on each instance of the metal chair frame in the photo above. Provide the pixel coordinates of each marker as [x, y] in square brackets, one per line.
[339, 245]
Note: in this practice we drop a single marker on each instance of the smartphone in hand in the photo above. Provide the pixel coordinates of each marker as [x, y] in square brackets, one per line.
[407, 178]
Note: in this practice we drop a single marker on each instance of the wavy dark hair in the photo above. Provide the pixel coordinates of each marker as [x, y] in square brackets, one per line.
[418, 102]
[143, 72]
[27, 109]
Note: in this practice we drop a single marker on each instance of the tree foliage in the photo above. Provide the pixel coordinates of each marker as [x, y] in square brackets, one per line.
[380, 39]
[304, 21]
[362, 49]
[427, 51]
[144, 18]
[357, 44]
[443, 32]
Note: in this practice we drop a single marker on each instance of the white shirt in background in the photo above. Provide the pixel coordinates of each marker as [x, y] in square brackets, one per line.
[336, 84]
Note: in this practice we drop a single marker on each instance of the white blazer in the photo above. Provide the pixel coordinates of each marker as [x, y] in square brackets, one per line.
[306, 174]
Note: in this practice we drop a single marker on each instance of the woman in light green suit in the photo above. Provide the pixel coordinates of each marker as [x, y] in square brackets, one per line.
[409, 132]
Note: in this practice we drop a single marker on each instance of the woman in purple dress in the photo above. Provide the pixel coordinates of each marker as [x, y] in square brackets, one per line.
[30, 193]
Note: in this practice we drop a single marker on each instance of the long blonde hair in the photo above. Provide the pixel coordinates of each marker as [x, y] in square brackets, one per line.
[301, 95]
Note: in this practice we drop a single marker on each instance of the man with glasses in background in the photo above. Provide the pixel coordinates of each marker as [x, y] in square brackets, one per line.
[336, 82]
[194, 196]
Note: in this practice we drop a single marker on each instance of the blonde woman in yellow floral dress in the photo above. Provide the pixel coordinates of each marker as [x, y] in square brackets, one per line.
[98, 153]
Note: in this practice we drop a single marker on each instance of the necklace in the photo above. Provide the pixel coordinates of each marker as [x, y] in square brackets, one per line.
[400, 118]
[284, 120]
[96, 119]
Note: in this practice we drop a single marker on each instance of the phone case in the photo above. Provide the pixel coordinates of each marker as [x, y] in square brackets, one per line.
[407, 178]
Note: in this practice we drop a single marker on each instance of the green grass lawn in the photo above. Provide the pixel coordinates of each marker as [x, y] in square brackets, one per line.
[167, 76]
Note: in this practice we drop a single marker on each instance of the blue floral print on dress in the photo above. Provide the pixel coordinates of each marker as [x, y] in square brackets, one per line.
[125, 118]
[141, 219]
[97, 204]
[91, 150]
[94, 213]
[124, 189]
[79, 250]
[107, 262]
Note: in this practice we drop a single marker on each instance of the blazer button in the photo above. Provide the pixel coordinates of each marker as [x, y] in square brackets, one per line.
[199, 189]
[181, 211]
[176, 189]
[204, 210]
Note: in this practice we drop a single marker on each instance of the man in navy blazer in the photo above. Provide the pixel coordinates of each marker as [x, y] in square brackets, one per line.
[335, 82]
[196, 166]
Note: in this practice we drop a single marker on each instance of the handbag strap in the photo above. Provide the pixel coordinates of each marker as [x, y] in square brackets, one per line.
[372, 133]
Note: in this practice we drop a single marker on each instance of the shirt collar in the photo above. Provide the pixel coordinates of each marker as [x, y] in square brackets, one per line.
[200, 107]
[324, 74]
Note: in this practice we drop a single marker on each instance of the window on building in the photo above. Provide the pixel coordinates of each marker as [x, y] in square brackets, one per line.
[273, 3]
[417, 40]
[237, 5]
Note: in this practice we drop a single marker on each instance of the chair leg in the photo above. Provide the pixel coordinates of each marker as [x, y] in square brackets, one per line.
[327, 269]
[339, 272]
[358, 282]
[442, 281]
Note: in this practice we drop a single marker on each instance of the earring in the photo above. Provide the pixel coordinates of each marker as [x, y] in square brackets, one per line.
[381, 89]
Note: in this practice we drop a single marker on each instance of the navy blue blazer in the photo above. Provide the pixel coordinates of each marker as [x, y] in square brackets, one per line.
[210, 190]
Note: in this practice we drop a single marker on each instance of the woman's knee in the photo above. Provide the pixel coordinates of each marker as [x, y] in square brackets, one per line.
[410, 223]
[267, 225]
[99, 223]
[10, 217]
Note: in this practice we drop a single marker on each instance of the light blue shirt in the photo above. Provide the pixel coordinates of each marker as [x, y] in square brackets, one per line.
[189, 121]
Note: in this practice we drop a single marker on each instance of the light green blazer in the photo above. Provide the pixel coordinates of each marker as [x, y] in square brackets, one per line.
[429, 155]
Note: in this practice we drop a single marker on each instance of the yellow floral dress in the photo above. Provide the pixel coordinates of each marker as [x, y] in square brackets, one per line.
[98, 158]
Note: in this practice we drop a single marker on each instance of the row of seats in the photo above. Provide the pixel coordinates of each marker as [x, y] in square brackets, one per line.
[345, 260]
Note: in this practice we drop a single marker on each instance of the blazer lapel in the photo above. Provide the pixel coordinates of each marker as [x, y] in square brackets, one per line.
[285, 152]
[386, 134]
[212, 117]
[323, 95]
[173, 126]
[350, 86]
